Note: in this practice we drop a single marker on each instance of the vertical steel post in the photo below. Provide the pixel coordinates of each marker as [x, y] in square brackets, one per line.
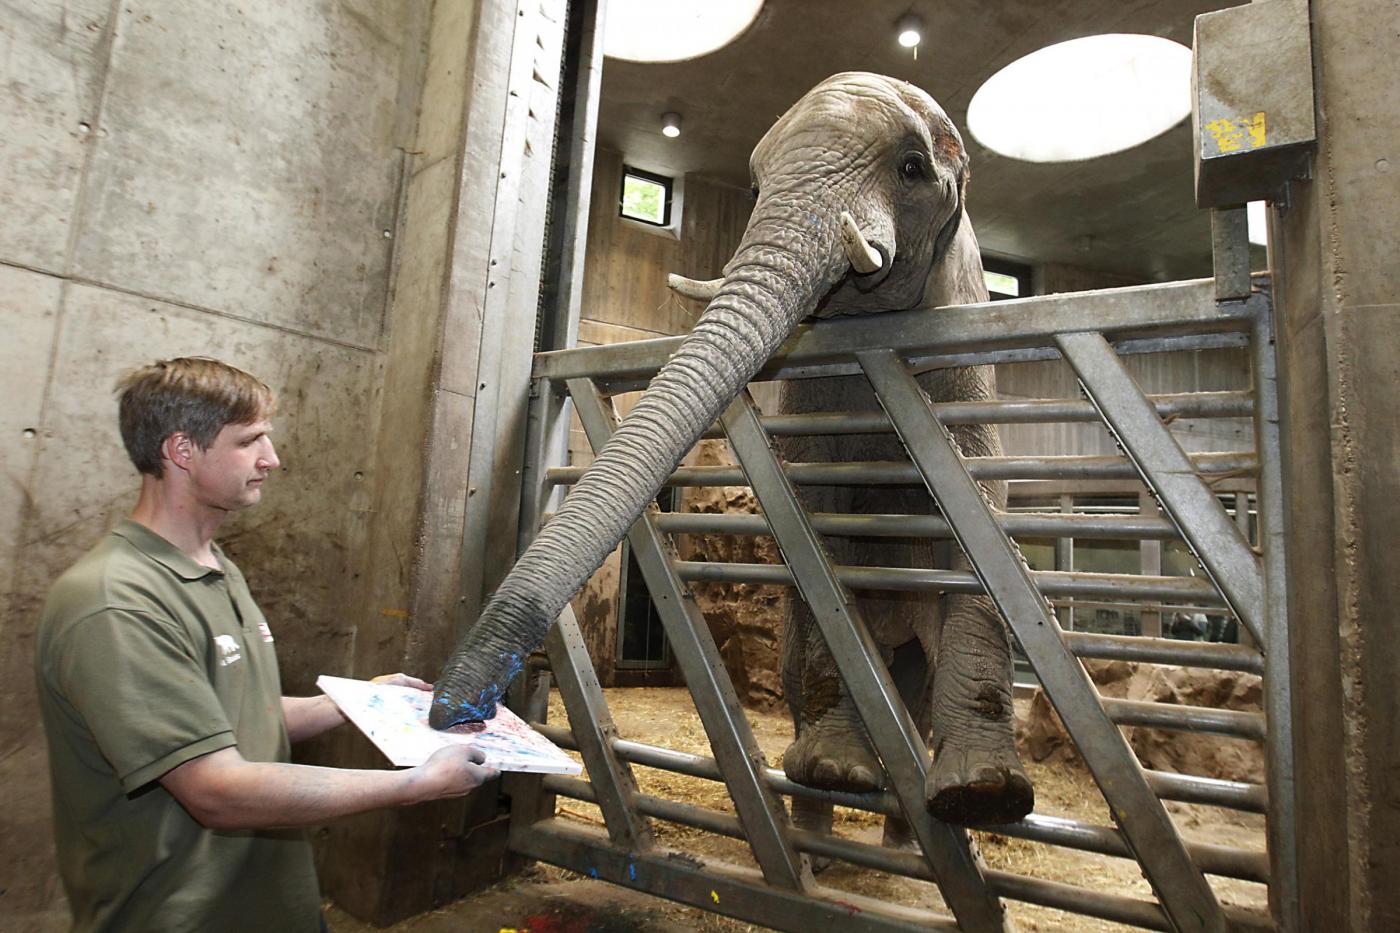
[1278, 665]
[1064, 562]
[1150, 564]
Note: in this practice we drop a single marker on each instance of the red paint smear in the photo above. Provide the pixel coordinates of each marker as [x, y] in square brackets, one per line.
[542, 923]
[848, 905]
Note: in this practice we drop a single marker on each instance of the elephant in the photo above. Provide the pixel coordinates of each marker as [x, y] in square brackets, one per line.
[859, 208]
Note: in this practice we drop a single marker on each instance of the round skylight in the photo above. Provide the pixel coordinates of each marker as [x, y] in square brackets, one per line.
[674, 30]
[1083, 98]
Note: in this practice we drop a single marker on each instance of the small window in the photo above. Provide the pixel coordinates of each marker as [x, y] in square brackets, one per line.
[1006, 279]
[646, 197]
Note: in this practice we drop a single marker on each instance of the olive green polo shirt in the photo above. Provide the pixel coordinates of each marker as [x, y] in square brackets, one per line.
[146, 660]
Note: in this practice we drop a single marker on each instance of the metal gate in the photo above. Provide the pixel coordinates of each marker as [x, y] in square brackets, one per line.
[1091, 332]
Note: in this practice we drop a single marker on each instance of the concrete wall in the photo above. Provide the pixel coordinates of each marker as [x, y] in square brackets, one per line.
[1338, 333]
[219, 179]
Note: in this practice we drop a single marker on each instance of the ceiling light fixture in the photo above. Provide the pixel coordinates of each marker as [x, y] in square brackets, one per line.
[671, 124]
[910, 29]
[1083, 98]
[674, 30]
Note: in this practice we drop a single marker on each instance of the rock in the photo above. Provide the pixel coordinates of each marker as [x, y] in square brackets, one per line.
[1041, 735]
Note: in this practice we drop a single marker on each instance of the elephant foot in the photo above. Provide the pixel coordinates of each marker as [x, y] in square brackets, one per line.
[974, 786]
[833, 756]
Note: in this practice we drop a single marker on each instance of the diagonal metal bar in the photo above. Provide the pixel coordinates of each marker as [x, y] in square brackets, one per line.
[891, 729]
[1180, 887]
[1167, 470]
[592, 725]
[740, 759]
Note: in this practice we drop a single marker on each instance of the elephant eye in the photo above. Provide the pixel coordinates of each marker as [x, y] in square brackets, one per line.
[754, 192]
[913, 166]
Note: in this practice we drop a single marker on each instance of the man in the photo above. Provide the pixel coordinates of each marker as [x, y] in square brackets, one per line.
[158, 683]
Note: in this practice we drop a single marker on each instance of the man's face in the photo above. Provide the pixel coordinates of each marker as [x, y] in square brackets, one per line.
[229, 475]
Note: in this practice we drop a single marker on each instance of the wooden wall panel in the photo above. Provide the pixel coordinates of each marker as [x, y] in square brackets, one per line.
[625, 298]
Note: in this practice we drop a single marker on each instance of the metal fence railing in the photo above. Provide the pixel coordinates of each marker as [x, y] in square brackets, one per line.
[1092, 333]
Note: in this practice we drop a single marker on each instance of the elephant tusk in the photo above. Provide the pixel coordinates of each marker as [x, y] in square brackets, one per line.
[694, 288]
[864, 258]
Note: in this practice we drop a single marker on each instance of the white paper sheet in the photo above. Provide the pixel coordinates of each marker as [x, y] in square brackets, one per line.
[395, 719]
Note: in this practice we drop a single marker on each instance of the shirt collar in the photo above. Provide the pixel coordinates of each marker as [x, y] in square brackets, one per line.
[162, 551]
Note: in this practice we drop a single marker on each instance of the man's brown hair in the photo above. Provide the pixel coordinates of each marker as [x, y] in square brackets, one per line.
[195, 395]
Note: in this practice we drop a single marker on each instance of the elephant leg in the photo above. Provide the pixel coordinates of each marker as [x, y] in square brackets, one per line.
[976, 776]
[831, 750]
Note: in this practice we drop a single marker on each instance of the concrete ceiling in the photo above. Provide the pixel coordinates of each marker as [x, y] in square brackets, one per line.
[1131, 213]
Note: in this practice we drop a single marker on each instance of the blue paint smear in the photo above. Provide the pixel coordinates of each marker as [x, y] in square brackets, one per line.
[485, 706]
[632, 871]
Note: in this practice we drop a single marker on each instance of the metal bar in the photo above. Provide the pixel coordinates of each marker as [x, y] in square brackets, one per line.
[732, 740]
[1213, 792]
[1169, 472]
[668, 759]
[777, 369]
[1149, 564]
[1120, 587]
[1161, 310]
[1228, 862]
[716, 886]
[1138, 913]
[1179, 718]
[900, 473]
[1148, 830]
[1017, 411]
[867, 681]
[1165, 651]
[1064, 559]
[1107, 906]
[594, 732]
[1229, 248]
[1283, 829]
[1016, 524]
[1245, 864]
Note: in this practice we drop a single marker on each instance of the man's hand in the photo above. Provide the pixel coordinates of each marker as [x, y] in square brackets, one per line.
[401, 680]
[451, 772]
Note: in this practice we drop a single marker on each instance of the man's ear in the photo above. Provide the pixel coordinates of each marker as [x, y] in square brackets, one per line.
[178, 449]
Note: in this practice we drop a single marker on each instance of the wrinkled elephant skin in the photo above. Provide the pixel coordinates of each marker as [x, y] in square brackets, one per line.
[859, 209]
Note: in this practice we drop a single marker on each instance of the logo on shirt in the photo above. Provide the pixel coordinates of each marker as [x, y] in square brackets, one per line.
[266, 632]
[229, 649]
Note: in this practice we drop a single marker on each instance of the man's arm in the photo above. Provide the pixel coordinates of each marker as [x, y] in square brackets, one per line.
[223, 790]
[308, 717]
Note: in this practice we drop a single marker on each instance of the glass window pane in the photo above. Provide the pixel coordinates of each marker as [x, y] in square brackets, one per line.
[1000, 284]
[644, 200]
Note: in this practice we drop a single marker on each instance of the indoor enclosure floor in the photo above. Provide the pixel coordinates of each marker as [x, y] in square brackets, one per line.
[545, 899]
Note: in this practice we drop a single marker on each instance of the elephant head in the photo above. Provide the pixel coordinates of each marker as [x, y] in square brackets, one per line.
[859, 208]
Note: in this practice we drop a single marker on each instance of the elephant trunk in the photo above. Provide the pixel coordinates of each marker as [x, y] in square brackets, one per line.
[772, 283]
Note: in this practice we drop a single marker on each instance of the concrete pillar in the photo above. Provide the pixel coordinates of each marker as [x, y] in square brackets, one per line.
[455, 387]
[1338, 331]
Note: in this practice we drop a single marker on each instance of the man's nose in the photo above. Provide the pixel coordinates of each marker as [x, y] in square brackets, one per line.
[269, 458]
